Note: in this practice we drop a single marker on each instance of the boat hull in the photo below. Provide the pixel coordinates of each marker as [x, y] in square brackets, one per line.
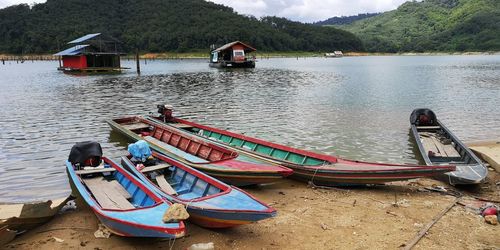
[229, 207]
[313, 167]
[469, 168]
[131, 222]
[348, 178]
[238, 171]
[246, 64]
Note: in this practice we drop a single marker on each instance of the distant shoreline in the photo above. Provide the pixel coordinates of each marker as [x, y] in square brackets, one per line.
[261, 55]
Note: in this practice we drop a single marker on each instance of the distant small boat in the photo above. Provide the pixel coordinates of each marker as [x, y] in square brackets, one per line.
[439, 146]
[309, 166]
[122, 202]
[209, 202]
[220, 162]
[336, 53]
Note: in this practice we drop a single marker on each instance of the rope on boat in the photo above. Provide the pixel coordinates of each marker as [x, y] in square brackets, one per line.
[315, 171]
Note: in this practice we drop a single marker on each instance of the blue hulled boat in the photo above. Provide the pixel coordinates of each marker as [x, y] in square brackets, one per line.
[209, 202]
[119, 200]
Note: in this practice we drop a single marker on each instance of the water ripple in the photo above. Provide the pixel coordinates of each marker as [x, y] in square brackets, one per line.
[353, 107]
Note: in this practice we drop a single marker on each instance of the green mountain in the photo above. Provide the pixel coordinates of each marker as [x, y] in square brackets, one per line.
[343, 20]
[433, 25]
[158, 26]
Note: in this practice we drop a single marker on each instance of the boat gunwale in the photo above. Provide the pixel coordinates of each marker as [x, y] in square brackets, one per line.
[323, 157]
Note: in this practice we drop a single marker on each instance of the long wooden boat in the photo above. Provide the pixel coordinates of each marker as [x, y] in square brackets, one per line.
[122, 202]
[209, 202]
[222, 163]
[439, 146]
[308, 166]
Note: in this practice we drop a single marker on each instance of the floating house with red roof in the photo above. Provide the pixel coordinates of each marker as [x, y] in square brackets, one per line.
[233, 55]
[92, 53]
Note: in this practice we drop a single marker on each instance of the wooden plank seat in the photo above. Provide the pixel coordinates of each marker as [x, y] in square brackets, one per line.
[155, 167]
[135, 126]
[107, 194]
[94, 171]
[164, 185]
[428, 127]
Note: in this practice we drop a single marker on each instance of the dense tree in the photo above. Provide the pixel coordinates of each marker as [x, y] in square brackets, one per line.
[157, 26]
[342, 20]
[433, 25]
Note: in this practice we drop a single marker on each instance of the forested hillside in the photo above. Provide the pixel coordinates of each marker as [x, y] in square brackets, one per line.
[433, 25]
[158, 26]
[345, 19]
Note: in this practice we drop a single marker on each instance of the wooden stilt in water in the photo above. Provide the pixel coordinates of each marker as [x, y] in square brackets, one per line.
[137, 63]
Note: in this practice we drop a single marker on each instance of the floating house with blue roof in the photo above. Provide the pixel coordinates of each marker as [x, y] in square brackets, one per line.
[92, 53]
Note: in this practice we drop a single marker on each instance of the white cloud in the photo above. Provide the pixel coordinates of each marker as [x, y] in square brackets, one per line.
[309, 10]
[298, 10]
[5, 3]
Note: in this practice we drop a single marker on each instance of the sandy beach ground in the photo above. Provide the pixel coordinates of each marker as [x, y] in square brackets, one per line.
[381, 217]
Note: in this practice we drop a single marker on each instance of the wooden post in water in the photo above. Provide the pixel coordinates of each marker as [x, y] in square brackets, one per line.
[137, 63]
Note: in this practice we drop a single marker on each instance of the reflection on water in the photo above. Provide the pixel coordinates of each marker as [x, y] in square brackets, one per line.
[355, 107]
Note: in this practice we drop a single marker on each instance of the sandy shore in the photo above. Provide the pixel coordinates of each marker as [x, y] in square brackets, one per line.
[309, 218]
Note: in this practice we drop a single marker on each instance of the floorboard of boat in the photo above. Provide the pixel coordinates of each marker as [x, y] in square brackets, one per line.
[106, 194]
[134, 126]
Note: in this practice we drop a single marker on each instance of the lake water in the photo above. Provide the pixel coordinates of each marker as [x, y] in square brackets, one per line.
[354, 107]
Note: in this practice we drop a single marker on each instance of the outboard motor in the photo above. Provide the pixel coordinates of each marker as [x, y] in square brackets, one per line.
[165, 112]
[423, 117]
[84, 154]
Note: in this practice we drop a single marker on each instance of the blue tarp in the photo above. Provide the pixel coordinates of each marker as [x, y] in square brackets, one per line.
[84, 38]
[140, 150]
[73, 51]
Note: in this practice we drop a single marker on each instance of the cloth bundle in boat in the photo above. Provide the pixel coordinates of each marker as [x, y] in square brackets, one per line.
[88, 153]
[140, 150]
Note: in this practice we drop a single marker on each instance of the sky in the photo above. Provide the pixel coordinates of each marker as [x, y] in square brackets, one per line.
[297, 10]
[309, 10]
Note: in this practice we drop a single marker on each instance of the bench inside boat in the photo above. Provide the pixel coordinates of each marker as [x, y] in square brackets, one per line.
[112, 190]
[175, 181]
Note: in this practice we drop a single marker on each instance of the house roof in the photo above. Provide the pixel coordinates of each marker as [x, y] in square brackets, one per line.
[73, 51]
[85, 38]
[229, 45]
